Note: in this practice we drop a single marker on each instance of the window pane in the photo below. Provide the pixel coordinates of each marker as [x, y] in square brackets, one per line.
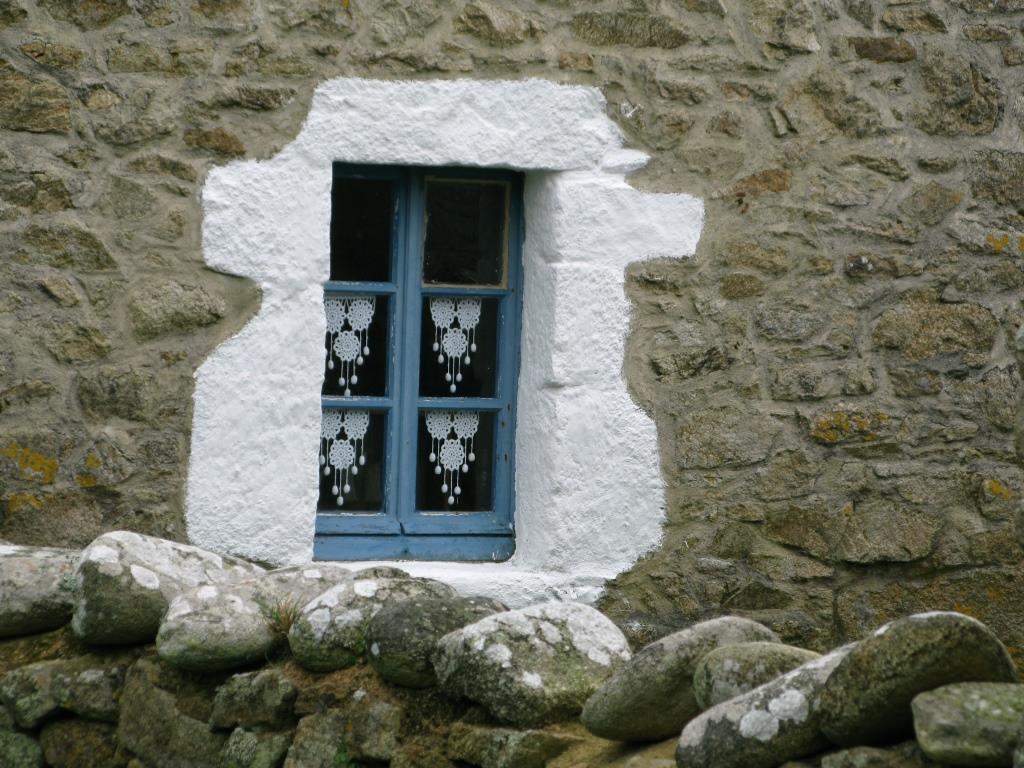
[361, 224]
[351, 461]
[465, 232]
[458, 352]
[356, 345]
[455, 461]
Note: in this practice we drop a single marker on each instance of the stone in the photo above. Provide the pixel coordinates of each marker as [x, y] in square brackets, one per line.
[126, 582]
[80, 744]
[212, 628]
[920, 331]
[637, 30]
[765, 727]
[931, 203]
[867, 699]
[991, 6]
[256, 749]
[11, 12]
[94, 14]
[532, 666]
[319, 742]
[741, 438]
[259, 99]
[157, 731]
[163, 165]
[38, 588]
[914, 382]
[52, 55]
[970, 723]
[402, 637]
[17, 750]
[489, 747]
[217, 141]
[263, 699]
[66, 247]
[905, 755]
[330, 631]
[493, 24]
[964, 98]
[652, 696]
[786, 25]
[998, 175]
[88, 686]
[883, 49]
[32, 104]
[173, 307]
[913, 19]
[841, 105]
[731, 670]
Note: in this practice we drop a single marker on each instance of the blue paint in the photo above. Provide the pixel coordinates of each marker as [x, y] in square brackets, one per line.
[399, 530]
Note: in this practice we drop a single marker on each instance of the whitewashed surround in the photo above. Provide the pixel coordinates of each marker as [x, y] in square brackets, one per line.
[589, 490]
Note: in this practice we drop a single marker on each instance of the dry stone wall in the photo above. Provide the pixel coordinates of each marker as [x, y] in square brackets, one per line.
[834, 376]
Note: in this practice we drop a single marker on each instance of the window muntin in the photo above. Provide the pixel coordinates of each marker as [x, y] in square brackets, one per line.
[441, 350]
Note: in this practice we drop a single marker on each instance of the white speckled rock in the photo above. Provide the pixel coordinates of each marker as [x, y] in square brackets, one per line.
[651, 698]
[212, 628]
[727, 672]
[330, 632]
[125, 582]
[37, 585]
[867, 700]
[532, 666]
[763, 728]
[970, 723]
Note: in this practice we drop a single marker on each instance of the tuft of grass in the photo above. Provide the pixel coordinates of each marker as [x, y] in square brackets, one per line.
[282, 615]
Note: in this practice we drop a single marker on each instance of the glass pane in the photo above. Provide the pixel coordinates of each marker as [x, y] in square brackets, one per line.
[351, 461]
[361, 223]
[465, 232]
[458, 346]
[455, 462]
[356, 345]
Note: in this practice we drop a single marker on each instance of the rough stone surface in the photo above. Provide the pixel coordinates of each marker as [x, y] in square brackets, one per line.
[80, 744]
[253, 700]
[652, 696]
[126, 581]
[970, 723]
[490, 747]
[38, 585]
[402, 637]
[256, 749]
[88, 686]
[330, 631]
[764, 728]
[534, 665]
[867, 699]
[726, 672]
[20, 751]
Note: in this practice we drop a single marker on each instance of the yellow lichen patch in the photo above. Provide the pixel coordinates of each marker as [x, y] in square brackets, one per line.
[992, 487]
[839, 426]
[19, 502]
[31, 465]
[1020, 244]
[86, 481]
[92, 461]
[998, 243]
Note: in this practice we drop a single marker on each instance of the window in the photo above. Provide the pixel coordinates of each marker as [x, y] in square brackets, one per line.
[418, 400]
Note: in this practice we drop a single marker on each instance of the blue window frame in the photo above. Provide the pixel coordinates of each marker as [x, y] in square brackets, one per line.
[418, 404]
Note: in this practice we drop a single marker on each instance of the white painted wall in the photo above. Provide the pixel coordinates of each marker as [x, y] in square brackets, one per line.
[589, 491]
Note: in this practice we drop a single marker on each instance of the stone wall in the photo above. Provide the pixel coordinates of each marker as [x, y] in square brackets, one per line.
[833, 376]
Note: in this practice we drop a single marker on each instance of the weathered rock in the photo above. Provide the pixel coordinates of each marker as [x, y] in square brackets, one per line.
[931, 203]
[923, 330]
[731, 670]
[965, 100]
[330, 631]
[88, 686]
[65, 247]
[218, 141]
[256, 749]
[905, 755]
[254, 700]
[80, 744]
[913, 19]
[787, 25]
[652, 696]
[20, 751]
[210, 628]
[52, 55]
[11, 12]
[764, 728]
[490, 747]
[883, 49]
[319, 741]
[998, 175]
[495, 24]
[92, 15]
[970, 723]
[154, 729]
[839, 102]
[37, 585]
[126, 582]
[402, 637]
[32, 104]
[531, 666]
[639, 30]
[867, 699]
